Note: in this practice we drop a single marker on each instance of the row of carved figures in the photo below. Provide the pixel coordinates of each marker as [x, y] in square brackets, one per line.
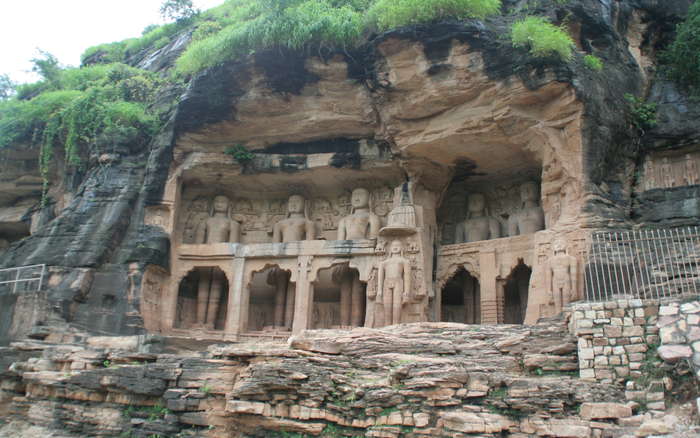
[480, 225]
[219, 227]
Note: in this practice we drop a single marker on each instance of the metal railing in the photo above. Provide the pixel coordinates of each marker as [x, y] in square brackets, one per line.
[645, 264]
[22, 279]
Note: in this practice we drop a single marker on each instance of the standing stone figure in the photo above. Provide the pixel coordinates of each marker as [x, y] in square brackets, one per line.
[478, 225]
[691, 171]
[394, 285]
[218, 228]
[296, 226]
[562, 276]
[531, 216]
[361, 223]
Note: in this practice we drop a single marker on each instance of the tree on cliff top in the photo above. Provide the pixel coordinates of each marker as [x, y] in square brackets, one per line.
[683, 55]
[178, 9]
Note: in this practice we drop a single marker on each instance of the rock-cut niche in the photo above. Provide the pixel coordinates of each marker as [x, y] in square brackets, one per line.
[461, 299]
[202, 299]
[516, 294]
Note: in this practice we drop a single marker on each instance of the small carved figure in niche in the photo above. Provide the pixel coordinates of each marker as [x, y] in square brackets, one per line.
[361, 223]
[649, 179]
[284, 297]
[531, 216]
[218, 228]
[296, 226]
[198, 213]
[691, 171]
[394, 285]
[352, 296]
[667, 173]
[325, 214]
[562, 276]
[478, 225]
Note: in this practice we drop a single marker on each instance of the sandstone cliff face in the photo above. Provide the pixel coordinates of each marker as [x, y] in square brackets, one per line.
[431, 98]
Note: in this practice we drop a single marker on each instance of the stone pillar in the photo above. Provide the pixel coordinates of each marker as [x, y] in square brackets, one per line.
[489, 291]
[304, 296]
[237, 290]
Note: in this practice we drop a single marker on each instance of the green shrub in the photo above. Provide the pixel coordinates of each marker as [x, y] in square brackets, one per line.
[643, 115]
[593, 62]
[279, 24]
[105, 53]
[543, 38]
[206, 29]
[683, 55]
[387, 14]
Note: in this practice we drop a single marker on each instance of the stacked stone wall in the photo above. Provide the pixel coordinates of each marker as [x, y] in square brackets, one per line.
[613, 337]
[679, 330]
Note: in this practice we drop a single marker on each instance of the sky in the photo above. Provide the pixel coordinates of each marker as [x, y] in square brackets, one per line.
[65, 28]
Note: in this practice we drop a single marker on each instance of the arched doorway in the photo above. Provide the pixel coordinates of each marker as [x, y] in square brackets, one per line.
[461, 299]
[516, 294]
[339, 298]
[271, 304]
[202, 299]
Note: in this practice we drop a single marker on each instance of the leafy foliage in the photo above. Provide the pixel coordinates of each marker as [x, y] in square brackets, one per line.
[178, 9]
[387, 14]
[7, 87]
[81, 110]
[248, 26]
[643, 115]
[593, 62]
[683, 55]
[542, 37]
[240, 153]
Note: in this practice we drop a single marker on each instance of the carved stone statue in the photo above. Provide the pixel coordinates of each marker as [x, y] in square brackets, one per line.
[691, 171]
[296, 226]
[394, 285]
[667, 174]
[531, 216]
[219, 227]
[478, 225]
[361, 223]
[562, 276]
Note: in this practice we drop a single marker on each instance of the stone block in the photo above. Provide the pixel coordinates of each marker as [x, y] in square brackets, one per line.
[632, 331]
[674, 353]
[612, 331]
[652, 427]
[619, 313]
[616, 322]
[639, 313]
[590, 314]
[635, 395]
[657, 406]
[614, 360]
[622, 371]
[693, 319]
[668, 310]
[601, 321]
[587, 374]
[655, 396]
[652, 339]
[666, 321]
[601, 374]
[692, 307]
[601, 361]
[693, 334]
[600, 342]
[627, 322]
[610, 305]
[619, 350]
[652, 310]
[586, 353]
[601, 411]
[421, 419]
[639, 321]
[584, 323]
[636, 348]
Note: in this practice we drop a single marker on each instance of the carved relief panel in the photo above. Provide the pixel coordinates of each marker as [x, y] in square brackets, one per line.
[490, 211]
[258, 217]
[666, 171]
